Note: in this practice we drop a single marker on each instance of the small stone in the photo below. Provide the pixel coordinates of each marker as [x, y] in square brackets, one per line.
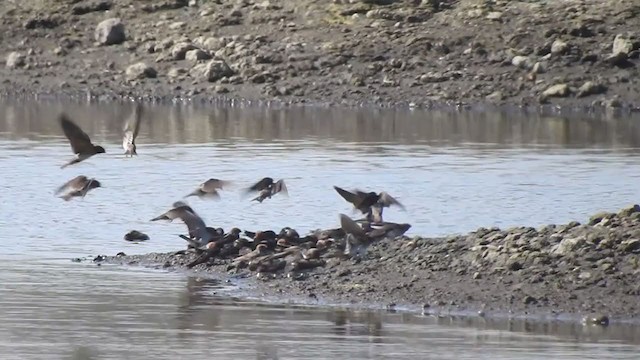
[179, 50]
[584, 275]
[477, 275]
[110, 32]
[494, 15]
[197, 55]
[15, 60]
[140, 71]
[496, 96]
[528, 300]
[219, 89]
[177, 25]
[176, 72]
[591, 88]
[538, 68]
[211, 71]
[622, 45]
[558, 90]
[629, 210]
[559, 47]
[632, 245]
[522, 62]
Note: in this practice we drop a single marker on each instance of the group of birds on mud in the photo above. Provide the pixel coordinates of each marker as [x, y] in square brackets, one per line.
[263, 251]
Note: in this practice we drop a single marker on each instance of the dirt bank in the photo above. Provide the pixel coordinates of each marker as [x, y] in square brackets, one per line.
[574, 53]
[577, 269]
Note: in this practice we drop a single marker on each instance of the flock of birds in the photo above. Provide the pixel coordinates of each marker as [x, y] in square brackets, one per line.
[261, 250]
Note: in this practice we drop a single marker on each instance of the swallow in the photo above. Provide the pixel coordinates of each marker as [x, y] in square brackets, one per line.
[213, 248]
[209, 189]
[78, 186]
[356, 239]
[260, 250]
[199, 233]
[388, 230]
[174, 213]
[369, 203]
[131, 130]
[267, 188]
[81, 144]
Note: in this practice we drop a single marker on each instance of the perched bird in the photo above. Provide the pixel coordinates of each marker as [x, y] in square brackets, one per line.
[80, 142]
[131, 130]
[267, 188]
[369, 203]
[78, 186]
[209, 189]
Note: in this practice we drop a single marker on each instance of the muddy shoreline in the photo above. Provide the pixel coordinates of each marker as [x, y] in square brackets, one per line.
[572, 271]
[573, 54]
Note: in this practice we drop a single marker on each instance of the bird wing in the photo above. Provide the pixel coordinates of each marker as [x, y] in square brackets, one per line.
[351, 227]
[132, 127]
[211, 185]
[347, 195]
[365, 200]
[262, 184]
[280, 186]
[75, 184]
[79, 140]
[196, 226]
[388, 200]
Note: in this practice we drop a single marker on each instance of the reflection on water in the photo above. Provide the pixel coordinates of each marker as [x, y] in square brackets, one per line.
[453, 171]
[188, 124]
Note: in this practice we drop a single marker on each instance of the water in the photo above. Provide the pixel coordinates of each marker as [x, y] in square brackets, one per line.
[453, 172]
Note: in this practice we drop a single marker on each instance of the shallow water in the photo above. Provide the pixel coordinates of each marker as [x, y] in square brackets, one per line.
[454, 172]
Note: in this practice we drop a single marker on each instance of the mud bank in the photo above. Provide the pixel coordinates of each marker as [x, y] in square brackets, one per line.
[578, 53]
[577, 269]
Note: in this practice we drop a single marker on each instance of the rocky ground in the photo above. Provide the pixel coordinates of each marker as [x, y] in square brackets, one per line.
[578, 53]
[586, 269]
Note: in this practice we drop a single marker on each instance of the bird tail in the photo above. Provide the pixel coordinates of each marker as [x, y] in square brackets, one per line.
[161, 217]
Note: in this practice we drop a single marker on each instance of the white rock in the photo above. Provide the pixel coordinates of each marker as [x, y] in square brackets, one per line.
[558, 90]
[559, 47]
[622, 44]
[140, 71]
[522, 62]
[179, 50]
[197, 55]
[110, 32]
[211, 71]
[15, 60]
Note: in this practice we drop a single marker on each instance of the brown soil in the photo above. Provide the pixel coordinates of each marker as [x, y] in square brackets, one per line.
[417, 53]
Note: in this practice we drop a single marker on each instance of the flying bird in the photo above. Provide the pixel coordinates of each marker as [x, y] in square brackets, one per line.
[267, 188]
[131, 130]
[80, 142]
[209, 189]
[78, 186]
[369, 203]
[199, 233]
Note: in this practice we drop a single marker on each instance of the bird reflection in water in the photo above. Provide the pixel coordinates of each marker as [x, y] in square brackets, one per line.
[194, 310]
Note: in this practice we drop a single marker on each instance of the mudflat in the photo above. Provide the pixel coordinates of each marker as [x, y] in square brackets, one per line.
[575, 53]
[588, 270]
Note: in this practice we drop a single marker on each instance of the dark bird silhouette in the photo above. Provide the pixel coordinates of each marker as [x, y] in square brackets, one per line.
[135, 235]
[209, 189]
[131, 130]
[78, 186]
[178, 208]
[267, 188]
[199, 233]
[369, 203]
[81, 144]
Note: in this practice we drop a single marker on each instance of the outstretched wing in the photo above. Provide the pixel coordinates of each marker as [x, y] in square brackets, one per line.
[211, 185]
[79, 140]
[351, 227]
[280, 186]
[132, 127]
[75, 184]
[347, 195]
[388, 200]
[261, 185]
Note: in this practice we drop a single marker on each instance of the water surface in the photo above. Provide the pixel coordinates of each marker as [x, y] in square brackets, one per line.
[454, 172]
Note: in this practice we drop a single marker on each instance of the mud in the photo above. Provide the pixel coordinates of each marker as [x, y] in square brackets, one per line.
[575, 54]
[578, 270]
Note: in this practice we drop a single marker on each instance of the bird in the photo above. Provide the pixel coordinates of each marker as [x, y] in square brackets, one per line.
[80, 142]
[131, 130]
[178, 208]
[209, 189]
[369, 203]
[356, 240]
[267, 188]
[135, 235]
[199, 233]
[78, 186]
